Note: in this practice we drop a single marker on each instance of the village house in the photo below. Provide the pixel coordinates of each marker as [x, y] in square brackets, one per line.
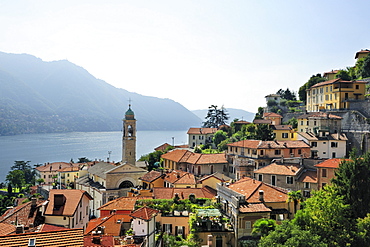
[330, 75]
[50, 171]
[334, 94]
[196, 163]
[212, 180]
[200, 136]
[144, 225]
[284, 132]
[274, 117]
[153, 179]
[179, 179]
[326, 171]
[68, 208]
[316, 122]
[248, 200]
[247, 155]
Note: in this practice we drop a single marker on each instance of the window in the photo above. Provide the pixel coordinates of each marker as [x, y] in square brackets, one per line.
[260, 177]
[334, 144]
[357, 86]
[81, 215]
[308, 123]
[314, 122]
[313, 144]
[277, 152]
[289, 180]
[193, 137]
[284, 135]
[248, 225]
[306, 193]
[167, 228]
[323, 173]
[87, 210]
[273, 179]
[200, 138]
[31, 242]
[299, 151]
[254, 151]
[306, 185]
[333, 155]
[301, 122]
[261, 152]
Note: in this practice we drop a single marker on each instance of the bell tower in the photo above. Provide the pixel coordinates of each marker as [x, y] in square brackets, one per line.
[129, 137]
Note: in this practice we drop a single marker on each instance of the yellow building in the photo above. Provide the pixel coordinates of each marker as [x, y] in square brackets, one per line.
[334, 94]
[68, 175]
[362, 53]
[330, 75]
[284, 132]
[316, 122]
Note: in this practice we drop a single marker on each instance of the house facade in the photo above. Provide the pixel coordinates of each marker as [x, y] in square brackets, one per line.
[334, 94]
[200, 136]
[326, 171]
[143, 224]
[68, 208]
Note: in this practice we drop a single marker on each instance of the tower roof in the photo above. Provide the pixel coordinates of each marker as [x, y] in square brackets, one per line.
[130, 113]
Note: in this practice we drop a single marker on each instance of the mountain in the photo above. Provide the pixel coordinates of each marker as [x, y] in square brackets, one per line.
[59, 96]
[233, 113]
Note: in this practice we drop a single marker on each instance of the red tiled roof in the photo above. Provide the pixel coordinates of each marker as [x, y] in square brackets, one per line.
[254, 208]
[72, 199]
[151, 176]
[361, 52]
[187, 178]
[174, 155]
[90, 241]
[242, 122]
[201, 131]
[112, 224]
[69, 169]
[48, 228]
[308, 177]
[271, 114]
[55, 166]
[269, 144]
[331, 163]
[70, 237]
[144, 213]
[287, 170]
[184, 193]
[122, 203]
[282, 127]
[23, 214]
[250, 189]
[331, 72]
[262, 121]
[318, 115]
[6, 228]
[312, 137]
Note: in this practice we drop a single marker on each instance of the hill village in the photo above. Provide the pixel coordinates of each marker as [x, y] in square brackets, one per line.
[191, 198]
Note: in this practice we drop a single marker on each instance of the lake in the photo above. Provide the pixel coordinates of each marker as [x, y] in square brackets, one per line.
[57, 147]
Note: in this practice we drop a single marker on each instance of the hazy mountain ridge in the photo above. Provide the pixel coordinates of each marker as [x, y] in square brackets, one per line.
[59, 96]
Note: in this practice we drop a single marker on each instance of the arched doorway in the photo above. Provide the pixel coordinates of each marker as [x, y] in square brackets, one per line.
[126, 184]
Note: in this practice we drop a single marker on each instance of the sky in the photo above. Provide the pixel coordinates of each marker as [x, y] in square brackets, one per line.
[195, 52]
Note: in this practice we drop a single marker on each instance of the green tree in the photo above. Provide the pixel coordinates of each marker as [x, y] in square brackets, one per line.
[288, 234]
[364, 70]
[352, 181]
[264, 132]
[218, 137]
[29, 173]
[82, 160]
[215, 117]
[312, 81]
[295, 197]
[343, 74]
[16, 178]
[287, 94]
[293, 121]
[263, 226]
[259, 113]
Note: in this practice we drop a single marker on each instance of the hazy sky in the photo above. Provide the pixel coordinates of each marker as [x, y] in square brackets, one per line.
[197, 53]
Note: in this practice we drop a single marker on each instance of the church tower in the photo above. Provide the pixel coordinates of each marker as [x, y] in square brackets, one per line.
[129, 137]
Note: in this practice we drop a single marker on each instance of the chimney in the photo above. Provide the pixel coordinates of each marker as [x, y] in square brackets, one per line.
[260, 193]
[33, 201]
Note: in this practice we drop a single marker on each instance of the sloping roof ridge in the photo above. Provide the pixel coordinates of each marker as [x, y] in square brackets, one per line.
[276, 188]
[103, 220]
[16, 210]
[257, 188]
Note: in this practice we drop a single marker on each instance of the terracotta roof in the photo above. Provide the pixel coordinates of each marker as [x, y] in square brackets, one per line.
[24, 214]
[262, 121]
[173, 176]
[318, 115]
[6, 228]
[242, 122]
[206, 159]
[271, 114]
[91, 241]
[282, 127]
[144, 213]
[175, 155]
[253, 208]
[187, 178]
[122, 203]
[70, 237]
[151, 176]
[71, 200]
[361, 52]
[162, 147]
[331, 163]
[112, 224]
[312, 137]
[69, 169]
[256, 144]
[201, 131]
[48, 228]
[331, 72]
[55, 166]
[220, 176]
[287, 170]
[250, 189]
[308, 176]
[184, 193]
[325, 83]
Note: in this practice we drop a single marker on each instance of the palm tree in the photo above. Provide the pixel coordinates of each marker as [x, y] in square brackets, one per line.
[295, 197]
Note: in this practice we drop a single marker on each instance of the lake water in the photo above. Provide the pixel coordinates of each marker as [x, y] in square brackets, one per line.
[57, 147]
